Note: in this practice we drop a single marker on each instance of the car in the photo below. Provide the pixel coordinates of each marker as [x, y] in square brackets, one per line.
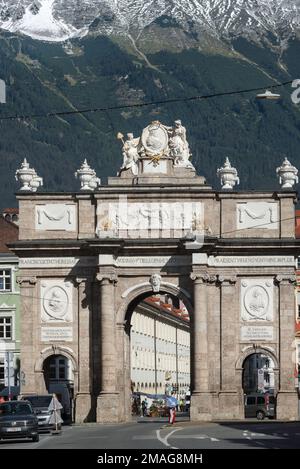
[12, 392]
[18, 420]
[260, 405]
[40, 405]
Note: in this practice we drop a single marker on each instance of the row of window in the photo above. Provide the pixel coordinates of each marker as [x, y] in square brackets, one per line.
[6, 327]
[159, 385]
[5, 280]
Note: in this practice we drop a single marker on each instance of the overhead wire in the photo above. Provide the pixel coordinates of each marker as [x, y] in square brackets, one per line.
[140, 105]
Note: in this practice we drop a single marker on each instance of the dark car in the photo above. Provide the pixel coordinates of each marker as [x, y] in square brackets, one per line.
[18, 420]
[12, 392]
[40, 405]
[260, 405]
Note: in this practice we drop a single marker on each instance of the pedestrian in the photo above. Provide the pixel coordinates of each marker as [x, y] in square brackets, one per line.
[55, 418]
[181, 405]
[2, 399]
[144, 407]
[172, 403]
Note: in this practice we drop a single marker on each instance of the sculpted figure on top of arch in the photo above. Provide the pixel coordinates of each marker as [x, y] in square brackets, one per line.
[157, 141]
[179, 147]
[130, 153]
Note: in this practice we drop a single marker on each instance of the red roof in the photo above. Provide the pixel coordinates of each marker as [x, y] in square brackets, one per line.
[11, 210]
[9, 233]
[167, 307]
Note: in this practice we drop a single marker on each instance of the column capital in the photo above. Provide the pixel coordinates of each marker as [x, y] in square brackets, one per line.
[82, 280]
[107, 277]
[227, 279]
[285, 279]
[26, 281]
[203, 278]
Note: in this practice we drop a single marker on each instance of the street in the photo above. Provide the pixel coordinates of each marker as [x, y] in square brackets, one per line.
[158, 435]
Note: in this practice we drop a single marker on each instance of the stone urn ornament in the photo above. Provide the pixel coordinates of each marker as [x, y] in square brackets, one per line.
[287, 175]
[87, 176]
[228, 176]
[28, 177]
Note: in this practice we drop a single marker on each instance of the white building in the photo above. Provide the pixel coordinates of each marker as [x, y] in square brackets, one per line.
[160, 347]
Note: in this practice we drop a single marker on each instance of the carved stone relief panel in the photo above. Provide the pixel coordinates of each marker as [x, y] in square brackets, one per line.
[257, 299]
[124, 218]
[56, 301]
[262, 215]
[53, 217]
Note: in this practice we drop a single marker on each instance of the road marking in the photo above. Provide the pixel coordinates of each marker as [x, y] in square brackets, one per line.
[178, 437]
[164, 440]
[181, 437]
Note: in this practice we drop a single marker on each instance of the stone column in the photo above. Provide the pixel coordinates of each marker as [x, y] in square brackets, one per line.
[83, 396]
[28, 330]
[231, 393]
[201, 401]
[108, 399]
[122, 371]
[287, 398]
[127, 371]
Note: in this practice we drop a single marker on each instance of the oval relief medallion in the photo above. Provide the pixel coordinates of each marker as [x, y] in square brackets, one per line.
[256, 301]
[155, 139]
[56, 302]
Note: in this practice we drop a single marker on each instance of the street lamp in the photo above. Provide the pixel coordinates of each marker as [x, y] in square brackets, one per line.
[268, 95]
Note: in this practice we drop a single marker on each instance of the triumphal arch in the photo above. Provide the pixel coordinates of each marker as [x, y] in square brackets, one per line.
[87, 258]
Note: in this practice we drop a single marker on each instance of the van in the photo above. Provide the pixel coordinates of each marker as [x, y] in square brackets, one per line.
[260, 405]
[63, 395]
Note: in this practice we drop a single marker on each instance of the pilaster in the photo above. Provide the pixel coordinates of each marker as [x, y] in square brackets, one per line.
[108, 400]
[28, 328]
[201, 399]
[83, 397]
[287, 398]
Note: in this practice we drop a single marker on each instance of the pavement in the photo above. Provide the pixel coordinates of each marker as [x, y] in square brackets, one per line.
[150, 435]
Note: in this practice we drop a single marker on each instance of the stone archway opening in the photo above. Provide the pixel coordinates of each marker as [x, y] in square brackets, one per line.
[59, 379]
[158, 329]
[258, 374]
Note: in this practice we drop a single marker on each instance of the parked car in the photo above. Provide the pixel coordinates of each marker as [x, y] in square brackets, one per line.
[12, 392]
[18, 420]
[260, 405]
[40, 405]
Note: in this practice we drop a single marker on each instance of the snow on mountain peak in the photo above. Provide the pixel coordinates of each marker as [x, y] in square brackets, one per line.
[36, 20]
[58, 20]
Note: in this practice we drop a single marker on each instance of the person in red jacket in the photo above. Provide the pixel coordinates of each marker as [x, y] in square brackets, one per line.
[172, 403]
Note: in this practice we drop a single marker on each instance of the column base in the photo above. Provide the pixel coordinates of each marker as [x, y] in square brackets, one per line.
[83, 408]
[201, 407]
[108, 410]
[224, 405]
[230, 406]
[287, 405]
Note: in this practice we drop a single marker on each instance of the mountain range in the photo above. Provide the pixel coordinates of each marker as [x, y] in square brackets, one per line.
[62, 55]
[58, 20]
